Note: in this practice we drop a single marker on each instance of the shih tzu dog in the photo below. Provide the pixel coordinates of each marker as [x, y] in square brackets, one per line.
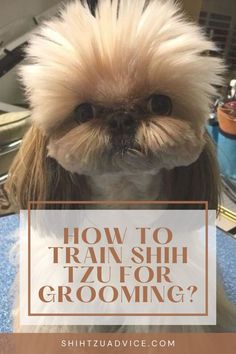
[119, 103]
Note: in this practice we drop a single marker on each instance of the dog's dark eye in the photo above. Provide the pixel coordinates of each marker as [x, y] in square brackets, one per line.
[160, 104]
[84, 112]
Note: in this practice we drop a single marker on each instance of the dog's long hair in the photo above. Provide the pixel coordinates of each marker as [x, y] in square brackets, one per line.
[35, 177]
[142, 45]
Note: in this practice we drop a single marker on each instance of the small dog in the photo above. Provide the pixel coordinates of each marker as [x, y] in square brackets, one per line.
[119, 103]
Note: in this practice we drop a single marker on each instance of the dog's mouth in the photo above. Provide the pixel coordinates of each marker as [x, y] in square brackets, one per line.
[164, 144]
[121, 145]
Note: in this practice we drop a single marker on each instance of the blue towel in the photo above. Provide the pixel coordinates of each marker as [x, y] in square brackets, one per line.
[7, 272]
[226, 251]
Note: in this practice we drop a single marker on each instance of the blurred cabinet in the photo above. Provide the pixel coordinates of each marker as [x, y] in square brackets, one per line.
[192, 8]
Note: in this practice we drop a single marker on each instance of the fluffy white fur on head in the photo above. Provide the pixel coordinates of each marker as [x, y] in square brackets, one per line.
[110, 58]
[128, 51]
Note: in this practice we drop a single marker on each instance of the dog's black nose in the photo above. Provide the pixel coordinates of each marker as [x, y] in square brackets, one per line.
[122, 123]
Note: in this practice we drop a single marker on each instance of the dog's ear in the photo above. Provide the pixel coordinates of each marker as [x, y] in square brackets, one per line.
[198, 182]
[34, 176]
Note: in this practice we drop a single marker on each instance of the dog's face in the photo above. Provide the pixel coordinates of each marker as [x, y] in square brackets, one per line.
[126, 91]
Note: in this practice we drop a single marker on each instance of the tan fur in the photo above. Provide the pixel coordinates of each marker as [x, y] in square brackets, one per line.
[115, 60]
[117, 63]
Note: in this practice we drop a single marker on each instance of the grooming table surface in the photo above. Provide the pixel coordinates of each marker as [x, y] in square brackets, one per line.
[226, 251]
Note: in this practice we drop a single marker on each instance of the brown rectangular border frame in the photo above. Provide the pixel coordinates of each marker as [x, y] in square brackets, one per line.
[205, 203]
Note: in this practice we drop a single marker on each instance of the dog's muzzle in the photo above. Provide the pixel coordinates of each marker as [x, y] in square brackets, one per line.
[122, 126]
